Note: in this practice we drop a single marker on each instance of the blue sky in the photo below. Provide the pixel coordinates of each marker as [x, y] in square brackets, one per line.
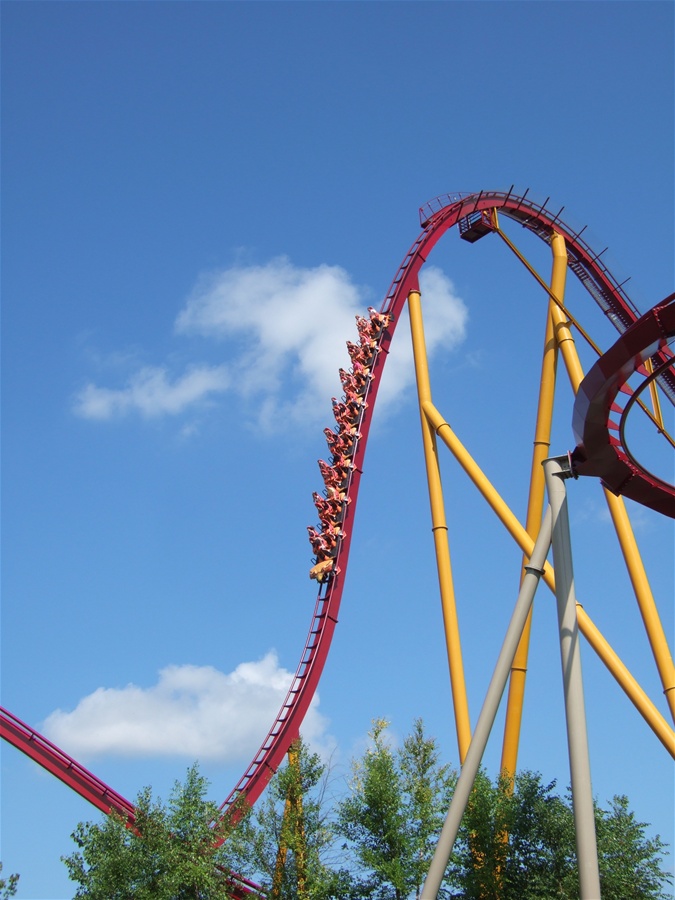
[197, 198]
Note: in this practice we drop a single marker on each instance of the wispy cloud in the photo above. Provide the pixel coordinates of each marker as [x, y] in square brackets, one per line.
[151, 393]
[192, 711]
[294, 323]
[594, 510]
[283, 330]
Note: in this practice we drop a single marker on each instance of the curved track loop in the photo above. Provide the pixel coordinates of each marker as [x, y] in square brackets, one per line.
[437, 217]
[601, 446]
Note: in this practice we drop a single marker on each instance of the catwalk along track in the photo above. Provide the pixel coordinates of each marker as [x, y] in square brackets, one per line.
[475, 215]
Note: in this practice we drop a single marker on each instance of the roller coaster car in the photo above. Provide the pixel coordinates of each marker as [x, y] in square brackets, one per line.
[475, 226]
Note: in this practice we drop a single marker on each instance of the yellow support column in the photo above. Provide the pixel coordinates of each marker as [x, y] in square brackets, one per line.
[293, 831]
[542, 439]
[440, 532]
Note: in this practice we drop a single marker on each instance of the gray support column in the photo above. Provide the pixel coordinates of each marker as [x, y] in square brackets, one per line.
[533, 572]
[556, 471]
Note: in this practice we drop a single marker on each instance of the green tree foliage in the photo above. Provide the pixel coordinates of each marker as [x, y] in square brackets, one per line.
[283, 845]
[171, 853]
[630, 862]
[8, 886]
[395, 810]
[517, 842]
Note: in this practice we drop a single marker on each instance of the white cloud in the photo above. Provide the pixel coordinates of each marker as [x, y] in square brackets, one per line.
[193, 711]
[150, 392]
[295, 322]
[285, 328]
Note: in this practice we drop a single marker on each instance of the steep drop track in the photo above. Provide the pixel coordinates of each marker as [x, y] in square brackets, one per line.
[471, 212]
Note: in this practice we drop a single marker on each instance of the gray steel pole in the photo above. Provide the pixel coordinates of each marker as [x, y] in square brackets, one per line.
[556, 471]
[533, 572]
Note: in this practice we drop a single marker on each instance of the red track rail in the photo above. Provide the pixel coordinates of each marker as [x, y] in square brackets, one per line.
[437, 217]
[68, 770]
[601, 445]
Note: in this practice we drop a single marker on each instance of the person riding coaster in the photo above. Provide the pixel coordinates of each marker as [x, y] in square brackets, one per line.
[360, 354]
[341, 443]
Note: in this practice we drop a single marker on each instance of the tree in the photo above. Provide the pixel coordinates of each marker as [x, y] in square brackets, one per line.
[630, 862]
[395, 810]
[517, 842]
[283, 845]
[170, 854]
[8, 886]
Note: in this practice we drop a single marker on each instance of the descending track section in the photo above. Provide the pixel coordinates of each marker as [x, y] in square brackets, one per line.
[64, 767]
[474, 214]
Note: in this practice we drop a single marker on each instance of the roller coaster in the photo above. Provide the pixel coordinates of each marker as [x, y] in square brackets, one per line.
[604, 399]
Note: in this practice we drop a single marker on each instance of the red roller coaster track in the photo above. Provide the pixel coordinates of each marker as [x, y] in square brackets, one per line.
[471, 212]
[602, 449]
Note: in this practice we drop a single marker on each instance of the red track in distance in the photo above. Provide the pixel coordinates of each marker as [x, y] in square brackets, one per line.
[50, 757]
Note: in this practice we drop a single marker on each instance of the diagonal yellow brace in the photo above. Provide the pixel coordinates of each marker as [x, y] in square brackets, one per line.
[654, 394]
[503, 512]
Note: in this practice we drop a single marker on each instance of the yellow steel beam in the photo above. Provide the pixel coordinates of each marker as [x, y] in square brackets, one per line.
[644, 596]
[282, 853]
[300, 835]
[440, 532]
[645, 599]
[292, 829]
[655, 417]
[433, 424]
[626, 681]
[656, 403]
[558, 300]
[535, 505]
[483, 483]
[526, 543]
